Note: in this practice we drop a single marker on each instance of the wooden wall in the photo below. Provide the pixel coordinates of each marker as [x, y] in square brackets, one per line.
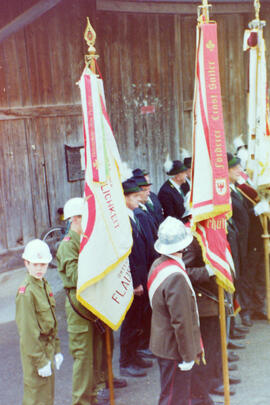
[145, 60]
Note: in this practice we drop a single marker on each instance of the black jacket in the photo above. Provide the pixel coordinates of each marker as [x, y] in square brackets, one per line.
[171, 200]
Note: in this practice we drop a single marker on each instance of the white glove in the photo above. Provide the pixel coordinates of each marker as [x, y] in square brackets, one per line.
[186, 365]
[261, 207]
[58, 360]
[209, 270]
[45, 371]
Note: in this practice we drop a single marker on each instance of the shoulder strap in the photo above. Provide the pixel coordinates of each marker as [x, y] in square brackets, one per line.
[98, 323]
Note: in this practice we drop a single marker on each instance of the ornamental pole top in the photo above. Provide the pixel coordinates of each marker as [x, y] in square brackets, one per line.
[203, 12]
[90, 38]
[257, 23]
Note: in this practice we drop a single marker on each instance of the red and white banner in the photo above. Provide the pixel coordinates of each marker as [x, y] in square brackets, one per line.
[210, 194]
[104, 280]
[258, 164]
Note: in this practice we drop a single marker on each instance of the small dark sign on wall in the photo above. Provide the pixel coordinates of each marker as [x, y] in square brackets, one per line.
[75, 171]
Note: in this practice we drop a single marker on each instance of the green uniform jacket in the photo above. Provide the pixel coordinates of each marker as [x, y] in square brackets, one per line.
[67, 258]
[37, 326]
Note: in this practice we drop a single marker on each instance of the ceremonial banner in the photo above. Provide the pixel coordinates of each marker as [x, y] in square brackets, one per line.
[210, 194]
[258, 164]
[104, 279]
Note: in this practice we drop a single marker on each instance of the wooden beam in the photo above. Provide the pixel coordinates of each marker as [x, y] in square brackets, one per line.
[169, 8]
[40, 111]
[27, 17]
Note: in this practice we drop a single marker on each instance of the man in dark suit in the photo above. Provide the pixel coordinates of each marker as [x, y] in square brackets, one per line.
[170, 194]
[152, 202]
[130, 363]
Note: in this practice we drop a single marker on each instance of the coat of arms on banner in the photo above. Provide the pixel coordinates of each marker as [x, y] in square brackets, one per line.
[221, 186]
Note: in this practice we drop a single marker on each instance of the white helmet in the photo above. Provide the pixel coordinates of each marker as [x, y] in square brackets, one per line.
[37, 251]
[173, 236]
[72, 207]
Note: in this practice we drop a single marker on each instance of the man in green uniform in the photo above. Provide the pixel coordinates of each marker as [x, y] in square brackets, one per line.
[86, 343]
[37, 326]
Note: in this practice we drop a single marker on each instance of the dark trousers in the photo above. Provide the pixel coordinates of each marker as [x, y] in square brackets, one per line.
[145, 322]
[256, 279]
[130, 333]
[175, 384]
[205, 377]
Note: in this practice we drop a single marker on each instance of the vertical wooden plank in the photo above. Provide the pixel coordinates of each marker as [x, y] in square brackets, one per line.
[3, 62]
[3, 198]
[178, 84]
[18, 208]
[59, 62]
[222, 29]
[126, 140]
[142, 91]
[33, 63]
[21, 61]
[156, 148]
[10, 64]
[188, 39]
[37, 176]
[76, 48]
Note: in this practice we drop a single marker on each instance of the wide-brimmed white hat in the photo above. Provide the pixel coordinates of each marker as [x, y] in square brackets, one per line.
[173, 236]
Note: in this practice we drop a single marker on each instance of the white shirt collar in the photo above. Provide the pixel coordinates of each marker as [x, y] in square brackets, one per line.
[131, 214]
[178, 188]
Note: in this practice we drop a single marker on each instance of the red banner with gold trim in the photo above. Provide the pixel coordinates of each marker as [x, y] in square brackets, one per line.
[210, 193]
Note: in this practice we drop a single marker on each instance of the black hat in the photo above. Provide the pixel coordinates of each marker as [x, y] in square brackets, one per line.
[187, 162]
[232, 160]
[138, 172]
[176, 167]
[138, 176]
[130, 186]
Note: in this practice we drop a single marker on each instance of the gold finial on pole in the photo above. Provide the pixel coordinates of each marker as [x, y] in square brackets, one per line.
[90, 38]
[257, 7]
[257, 23]
[203, 12]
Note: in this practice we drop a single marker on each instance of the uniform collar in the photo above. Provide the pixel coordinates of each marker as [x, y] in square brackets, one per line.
[35, 281]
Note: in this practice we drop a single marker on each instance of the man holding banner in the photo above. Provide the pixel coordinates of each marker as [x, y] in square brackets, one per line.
[85, 331]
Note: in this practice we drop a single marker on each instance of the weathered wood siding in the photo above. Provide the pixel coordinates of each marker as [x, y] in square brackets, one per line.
[145, 60]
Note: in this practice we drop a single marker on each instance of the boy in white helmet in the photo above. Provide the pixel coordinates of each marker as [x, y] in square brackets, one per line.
[37, 326]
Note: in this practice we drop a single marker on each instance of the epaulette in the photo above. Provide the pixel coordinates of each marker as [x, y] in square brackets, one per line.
[22, 290]
[66, 238]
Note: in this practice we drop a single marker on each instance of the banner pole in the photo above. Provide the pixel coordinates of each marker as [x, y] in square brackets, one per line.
[222, 321]
[266, 237]
[109, 363]
[90, 38]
